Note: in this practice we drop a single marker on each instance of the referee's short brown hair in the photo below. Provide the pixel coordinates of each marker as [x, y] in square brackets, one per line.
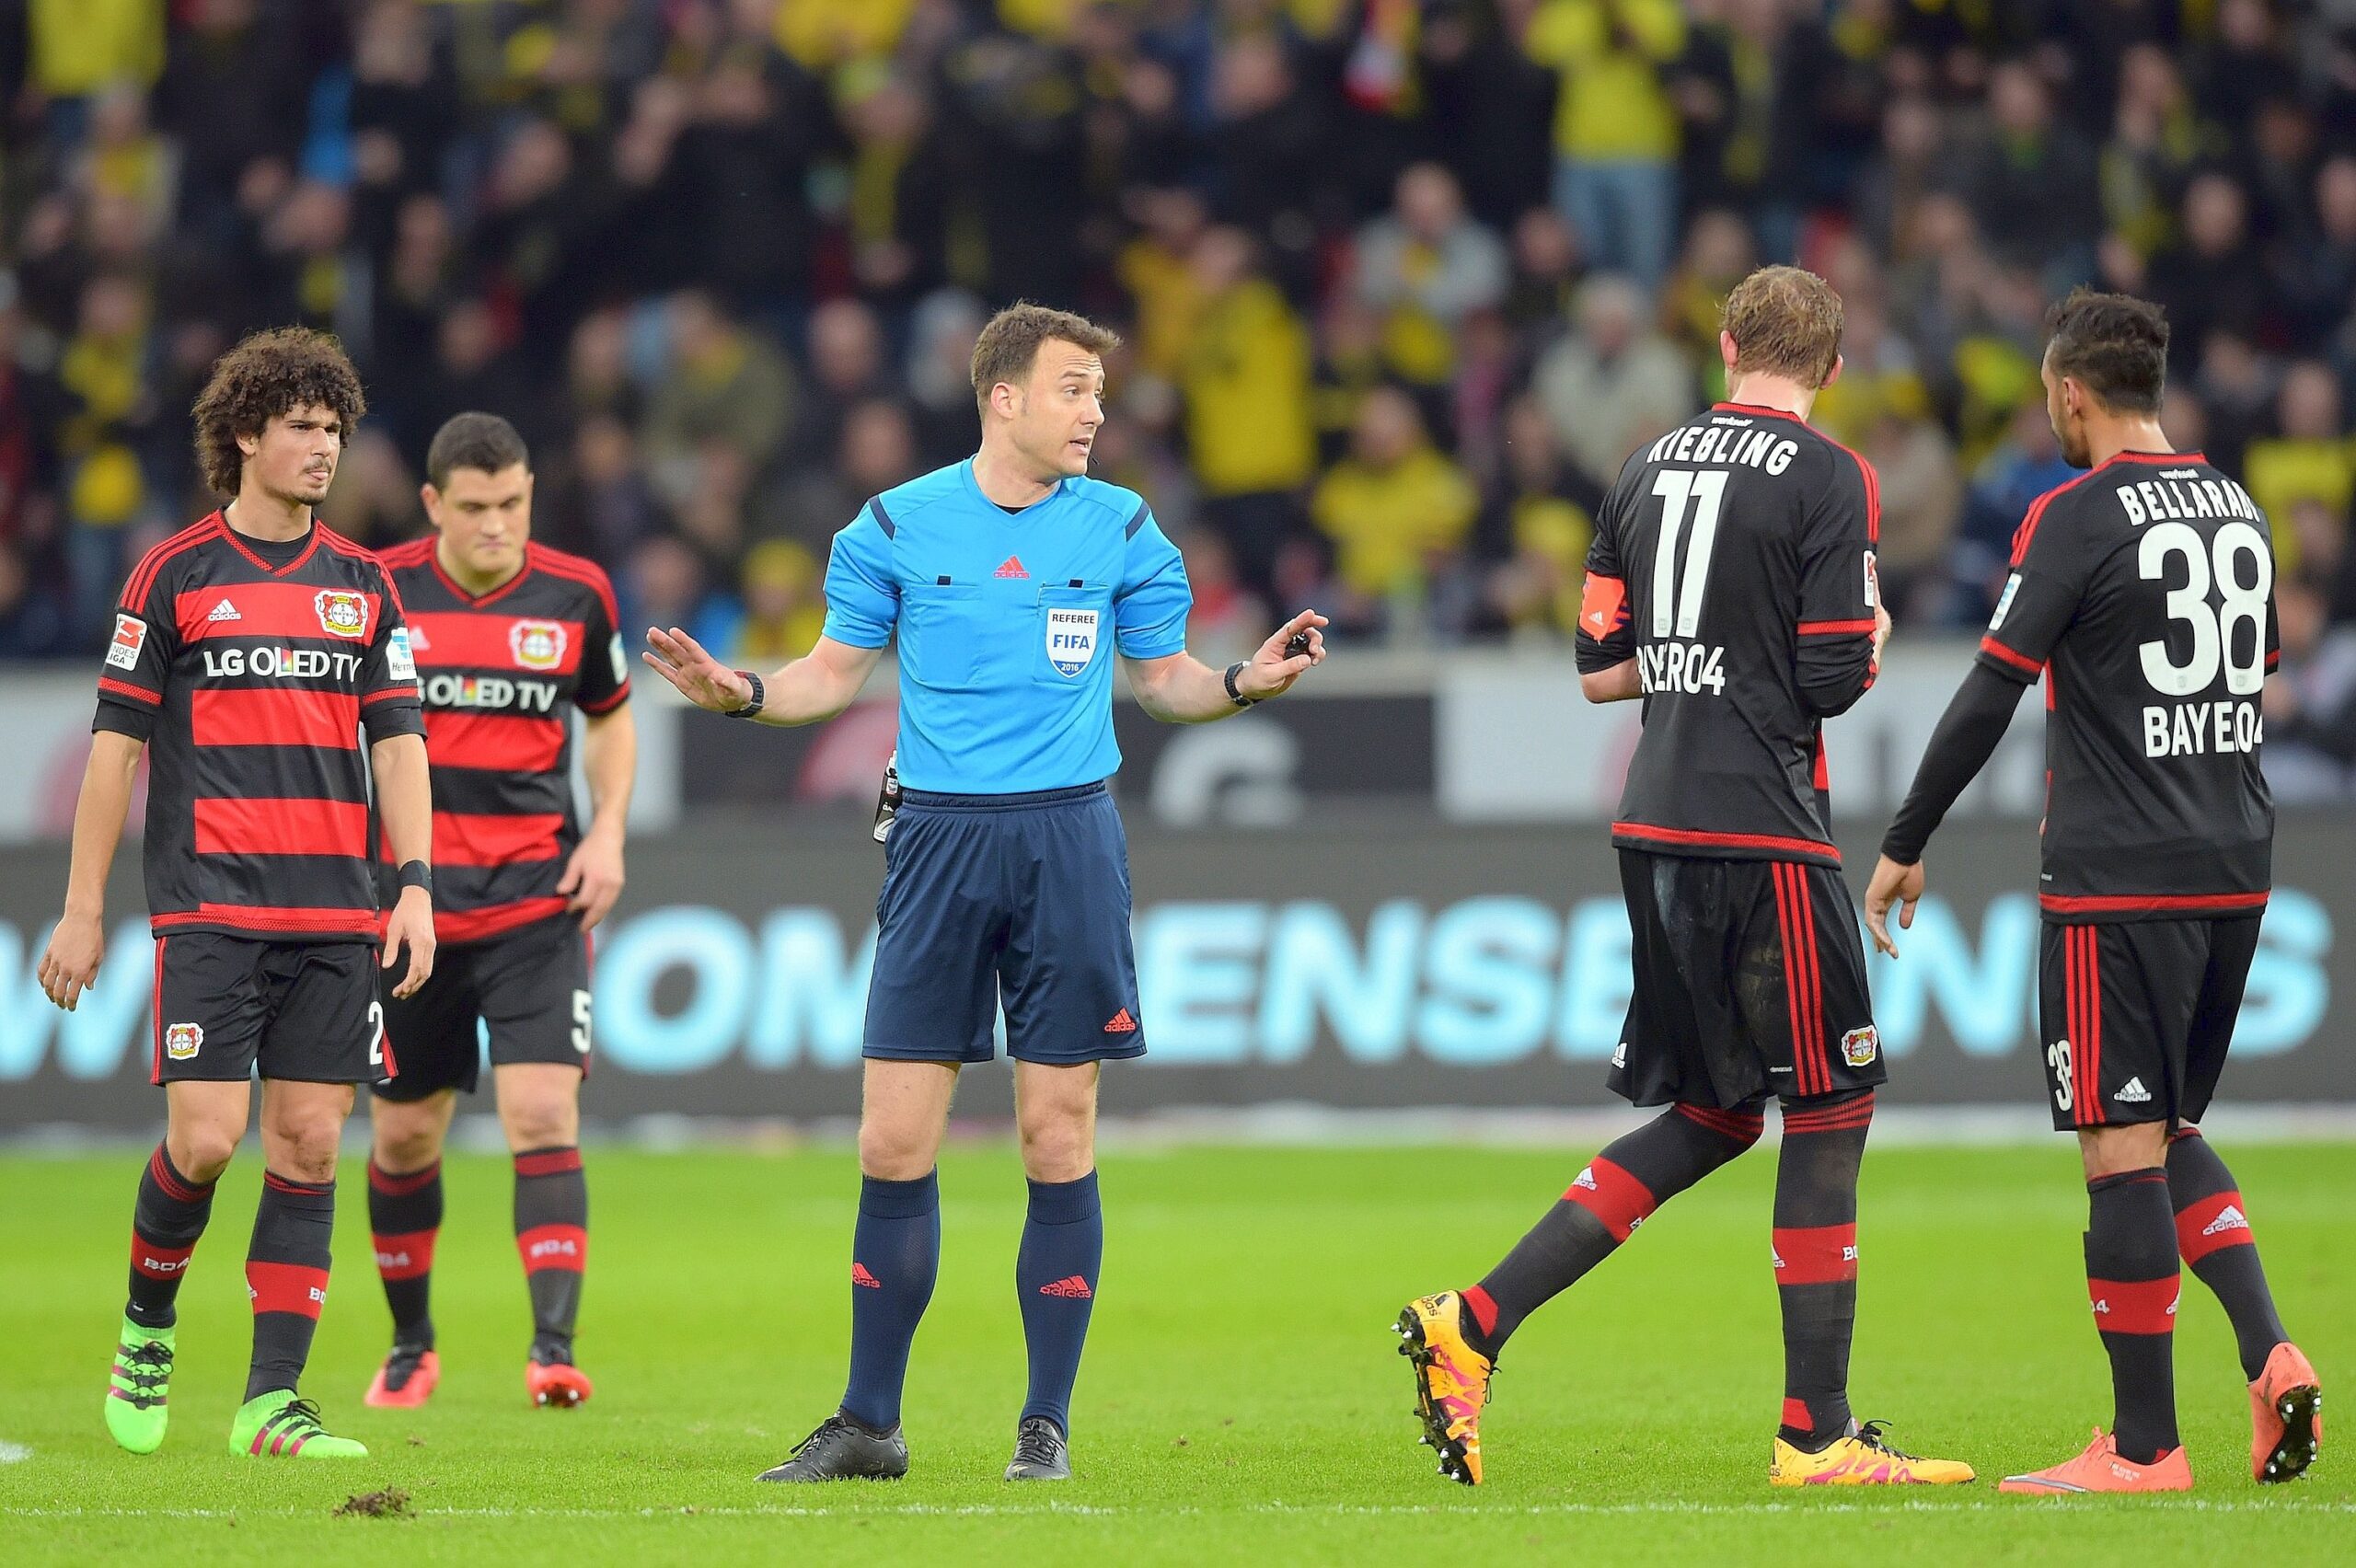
[1008, 346]
[1785, 322]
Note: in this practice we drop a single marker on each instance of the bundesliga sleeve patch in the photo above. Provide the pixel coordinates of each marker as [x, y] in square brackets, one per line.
[129, 637]
[399, 662]
[2004, 602]
[622, 660]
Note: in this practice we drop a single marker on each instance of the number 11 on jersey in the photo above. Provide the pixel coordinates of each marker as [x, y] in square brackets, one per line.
[1677, 609]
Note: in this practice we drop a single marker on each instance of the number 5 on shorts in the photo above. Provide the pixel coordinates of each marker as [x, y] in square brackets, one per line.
[581, 1021]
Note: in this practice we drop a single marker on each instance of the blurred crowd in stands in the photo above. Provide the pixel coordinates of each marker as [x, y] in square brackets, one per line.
[1403, 280]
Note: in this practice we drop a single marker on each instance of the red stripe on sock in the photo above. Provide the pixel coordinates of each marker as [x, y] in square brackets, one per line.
[548, 1162]
[173, 1187]
[287, 1288]
[1796, 1415]
[1820, 1254]
[2134, 1305]
[400, 1186]
[406, 1255]
[553, 1247]
[1743, 1126]
[1613, 1196]
[158, 1261]
[1484, 1309]
[1845, 1116]
[2210, 1224]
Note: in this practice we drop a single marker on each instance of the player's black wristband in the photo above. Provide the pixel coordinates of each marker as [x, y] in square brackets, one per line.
[753, 706]
[1234, 695]
[417, 873]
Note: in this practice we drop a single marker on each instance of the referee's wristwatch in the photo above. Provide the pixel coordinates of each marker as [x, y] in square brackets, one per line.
[1234, 693]
[753, 705]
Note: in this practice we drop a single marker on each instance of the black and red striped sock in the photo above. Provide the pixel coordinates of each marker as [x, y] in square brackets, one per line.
[286, 1275]
[1815, 1254]
[552, 1235]
[405, 1217]
[165, 1224]
[1619, 1189]
[2133, 1280]
[2214, 1237]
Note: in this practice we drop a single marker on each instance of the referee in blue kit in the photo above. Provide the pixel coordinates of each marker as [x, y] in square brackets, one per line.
[1008, 577]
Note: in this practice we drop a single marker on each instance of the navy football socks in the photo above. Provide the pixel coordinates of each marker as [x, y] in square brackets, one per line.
[1055, 1274]
[896, 1256]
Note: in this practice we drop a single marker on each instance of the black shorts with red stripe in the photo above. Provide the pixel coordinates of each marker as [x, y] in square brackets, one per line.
[1750, 981]
[303, 1011]
[2135, 1017]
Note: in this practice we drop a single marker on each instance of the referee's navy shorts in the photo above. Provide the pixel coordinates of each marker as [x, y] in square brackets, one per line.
[1020, 897]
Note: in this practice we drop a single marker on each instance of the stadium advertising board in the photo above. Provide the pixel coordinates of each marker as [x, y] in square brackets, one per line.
[1341, 966]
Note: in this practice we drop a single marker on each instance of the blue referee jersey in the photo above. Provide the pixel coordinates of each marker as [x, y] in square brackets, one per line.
[1007, 622]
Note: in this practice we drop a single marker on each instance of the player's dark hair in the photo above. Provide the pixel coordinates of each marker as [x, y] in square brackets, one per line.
[473, 441]
[1785, 322]
[1008, 346]
[267, 375]
[2115, 346]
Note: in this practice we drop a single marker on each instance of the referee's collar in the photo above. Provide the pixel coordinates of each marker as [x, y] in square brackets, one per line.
[974, 488]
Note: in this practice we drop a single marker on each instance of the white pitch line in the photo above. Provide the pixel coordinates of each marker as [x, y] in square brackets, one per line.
[1403, 1510]
[13, 1453]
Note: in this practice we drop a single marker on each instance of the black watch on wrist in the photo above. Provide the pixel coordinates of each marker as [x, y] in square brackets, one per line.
[1233, 694]
[417, 873]
[753, 704]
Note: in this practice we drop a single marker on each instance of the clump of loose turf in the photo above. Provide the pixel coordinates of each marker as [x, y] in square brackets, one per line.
[391, 1504]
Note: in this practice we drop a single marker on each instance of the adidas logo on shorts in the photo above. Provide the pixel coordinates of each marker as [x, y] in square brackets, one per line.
[2133, 1093]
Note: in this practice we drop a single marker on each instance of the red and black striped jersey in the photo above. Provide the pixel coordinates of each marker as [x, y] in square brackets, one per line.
[500, 675]
[1733, 562]
[2144, 592]
[251, 669]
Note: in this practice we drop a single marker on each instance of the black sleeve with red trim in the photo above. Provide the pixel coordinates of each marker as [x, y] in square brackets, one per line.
[1835, 664]
[139, 656]
[390, 703]
[2041, 598]
[604, 663]
[1975, 720]
[1606, 637]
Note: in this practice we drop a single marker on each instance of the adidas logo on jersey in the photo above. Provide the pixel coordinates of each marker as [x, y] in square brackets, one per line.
[2133, 1093]
[2228, 1218]
[224, 611]
[1010, 567]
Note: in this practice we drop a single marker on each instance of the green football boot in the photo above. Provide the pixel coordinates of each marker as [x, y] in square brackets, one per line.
[282, 1425]
[135, 1394]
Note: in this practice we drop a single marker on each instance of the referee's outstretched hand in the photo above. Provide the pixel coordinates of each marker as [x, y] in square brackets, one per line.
[701, 678]
[1271, 671]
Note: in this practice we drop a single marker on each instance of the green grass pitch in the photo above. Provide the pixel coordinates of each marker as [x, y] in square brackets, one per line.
[1241, 1398]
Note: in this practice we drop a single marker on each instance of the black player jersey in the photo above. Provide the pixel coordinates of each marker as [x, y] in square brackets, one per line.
[2144, 592]
[1734, 562]
[251, 678]
[500, 675]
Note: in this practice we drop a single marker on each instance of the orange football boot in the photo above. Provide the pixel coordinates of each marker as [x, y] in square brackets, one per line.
[1860, 1457]
[406, 1379]
[2285, 1417]
[2100, 1468]
[1451, 1382]
[556, 1384]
